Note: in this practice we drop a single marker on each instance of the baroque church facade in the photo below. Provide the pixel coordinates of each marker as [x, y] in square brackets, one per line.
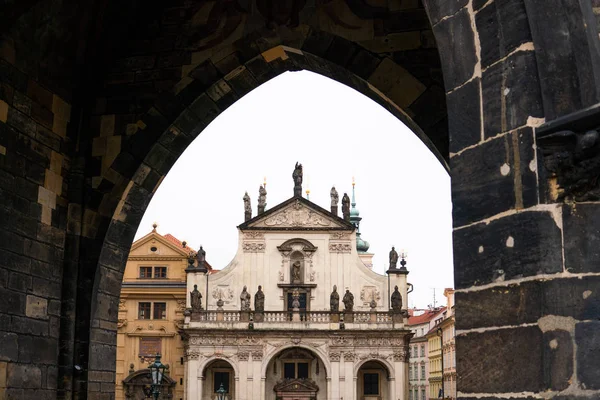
[298, 313]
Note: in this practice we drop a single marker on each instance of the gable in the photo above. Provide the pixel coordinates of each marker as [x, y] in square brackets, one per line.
[142, 247]
[299, 214]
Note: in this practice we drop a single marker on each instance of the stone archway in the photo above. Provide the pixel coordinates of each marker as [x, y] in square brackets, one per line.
[75, 173]
[374, 381]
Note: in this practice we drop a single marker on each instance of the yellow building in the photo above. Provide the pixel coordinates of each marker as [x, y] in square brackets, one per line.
[442, 337]
[151, 309]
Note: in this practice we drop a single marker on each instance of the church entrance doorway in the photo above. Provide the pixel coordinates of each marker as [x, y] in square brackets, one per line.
[296, 374]
[373, 381]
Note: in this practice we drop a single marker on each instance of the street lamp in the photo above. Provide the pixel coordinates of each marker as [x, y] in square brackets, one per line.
[221, 392]
[440, 333]
[157, 372]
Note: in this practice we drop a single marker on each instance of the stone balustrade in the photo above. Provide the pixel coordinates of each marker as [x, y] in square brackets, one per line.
[295, 320]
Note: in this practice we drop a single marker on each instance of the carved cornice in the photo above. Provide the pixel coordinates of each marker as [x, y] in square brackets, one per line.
[570, 150]
[157, 258]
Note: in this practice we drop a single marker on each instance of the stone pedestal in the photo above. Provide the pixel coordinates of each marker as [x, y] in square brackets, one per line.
[244, 316]
[259, 316]
[348, 316]
[334, 317]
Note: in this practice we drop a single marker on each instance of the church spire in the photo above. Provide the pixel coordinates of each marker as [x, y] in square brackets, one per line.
[362, 246]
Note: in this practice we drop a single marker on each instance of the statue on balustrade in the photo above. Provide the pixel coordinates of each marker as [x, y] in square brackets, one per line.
[247, 207]
[396, 300]
[196, 299]
[297, 176]
[245, 300]
[262, 199]
[334, 300]
[348, 301]
[259, 300]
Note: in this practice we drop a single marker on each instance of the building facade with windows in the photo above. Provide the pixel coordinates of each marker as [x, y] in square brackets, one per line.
[420, 323]
[297, 313]
[442, 352]
[151, 309]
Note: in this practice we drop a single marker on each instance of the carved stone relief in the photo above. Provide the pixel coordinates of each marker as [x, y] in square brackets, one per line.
[122, 306]
[339, 236]
[243, 355]
[297, 215]
[334, 356]
[253, 247]
[369, 293]
[340, 247]
[257, 355]
[254, 235]
[223, 292]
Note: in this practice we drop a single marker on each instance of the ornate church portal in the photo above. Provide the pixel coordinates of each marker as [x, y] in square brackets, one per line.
[298, 313]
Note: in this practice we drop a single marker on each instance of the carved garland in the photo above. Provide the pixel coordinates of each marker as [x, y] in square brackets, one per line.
[253, 247]
[340, 247]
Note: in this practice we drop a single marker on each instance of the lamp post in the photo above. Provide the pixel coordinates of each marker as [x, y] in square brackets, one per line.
[440, 333]
[157, 372]
[221, 392]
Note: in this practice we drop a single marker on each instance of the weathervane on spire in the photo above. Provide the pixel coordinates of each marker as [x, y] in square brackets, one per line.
[297, 176]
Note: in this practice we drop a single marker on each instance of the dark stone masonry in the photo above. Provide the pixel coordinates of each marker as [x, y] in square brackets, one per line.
[98, 99]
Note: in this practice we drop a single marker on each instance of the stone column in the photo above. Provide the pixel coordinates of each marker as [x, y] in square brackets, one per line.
[349, 386]
[194, 382]
[334, 358]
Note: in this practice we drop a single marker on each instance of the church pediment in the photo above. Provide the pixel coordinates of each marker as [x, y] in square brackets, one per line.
[297, 213]
[296, 385]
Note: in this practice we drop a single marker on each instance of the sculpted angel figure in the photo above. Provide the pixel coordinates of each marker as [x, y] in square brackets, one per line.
[296, 271]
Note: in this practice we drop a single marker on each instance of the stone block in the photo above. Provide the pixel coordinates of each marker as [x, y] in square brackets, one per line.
[456, 46]
[9, 351]
[222, 94]
[582, 237]
[29, 326]
[21, 122]
[363, 64]
[205, 108]
[574, 297]
[42, 115]
[502, 27]
[22, 103]
[396, 83]
[515, 246]
[438, 10]
[241, 81]
[19, 282]
[102, 355]
[587, 338]
[53, 182]
[558, 360]
[39, 94]
[12, 302]
[464, 115]
[61, 108]
[494, 177]
[512, 359]
[3, 111]
[511, 93]
[36, 307]
[13, 76]
[23, 376]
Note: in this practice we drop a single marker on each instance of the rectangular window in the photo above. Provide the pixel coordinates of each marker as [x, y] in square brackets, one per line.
[221, 378]
[303, 370]
[160, 310]
[423, 371]
[422, 350]
[371, 384]
[410, 371]
[144, 311]
[289, 370]
[422, 394]
[146, 272]
[160, 272]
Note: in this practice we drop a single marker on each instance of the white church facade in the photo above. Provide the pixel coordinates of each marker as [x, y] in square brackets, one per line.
[297, 314]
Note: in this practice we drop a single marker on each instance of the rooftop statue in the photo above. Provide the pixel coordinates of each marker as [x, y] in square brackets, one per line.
[335, 198]
[262, 199]
[247, 206]
[297, 176]
[346, 207]
[393, 258]
[334, 300]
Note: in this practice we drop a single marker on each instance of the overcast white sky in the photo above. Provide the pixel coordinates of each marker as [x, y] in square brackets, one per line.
[402, 192]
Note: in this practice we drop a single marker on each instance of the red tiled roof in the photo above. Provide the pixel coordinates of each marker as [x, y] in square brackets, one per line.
[425, 317]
